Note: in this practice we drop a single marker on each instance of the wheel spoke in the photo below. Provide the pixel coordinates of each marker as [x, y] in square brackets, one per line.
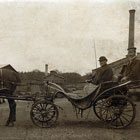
[50, 109]
[127, 114]
[41, 105]
[37, 108]
[121, 121]
[106, 115]
[116, 123]
[38, 117]
[104, 112]
[124, 118]
[99, 103]
[44, 106]
[127, 110]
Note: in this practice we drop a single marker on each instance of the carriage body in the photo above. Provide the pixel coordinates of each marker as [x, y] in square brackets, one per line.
[110, 102]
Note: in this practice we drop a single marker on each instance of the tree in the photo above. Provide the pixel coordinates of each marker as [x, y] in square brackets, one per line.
[71, 78]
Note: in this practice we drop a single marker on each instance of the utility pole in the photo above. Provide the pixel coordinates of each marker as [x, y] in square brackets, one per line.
[95, 53]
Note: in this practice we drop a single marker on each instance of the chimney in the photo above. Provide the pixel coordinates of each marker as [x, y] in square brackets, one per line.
[131, 49]
[46, 70]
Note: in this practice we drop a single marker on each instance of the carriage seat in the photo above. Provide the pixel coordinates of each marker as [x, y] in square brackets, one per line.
[85, 102]
[108, 84]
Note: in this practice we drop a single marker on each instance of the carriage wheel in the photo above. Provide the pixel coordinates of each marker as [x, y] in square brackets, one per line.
[96, 107]
[118, 111]
[44, 114]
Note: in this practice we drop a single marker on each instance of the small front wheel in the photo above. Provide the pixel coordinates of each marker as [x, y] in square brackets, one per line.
[44, 114]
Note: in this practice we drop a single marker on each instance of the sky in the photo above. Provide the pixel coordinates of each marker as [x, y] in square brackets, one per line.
[65, 33]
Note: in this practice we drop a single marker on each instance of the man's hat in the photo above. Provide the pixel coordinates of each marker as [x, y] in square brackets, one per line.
[102, 58]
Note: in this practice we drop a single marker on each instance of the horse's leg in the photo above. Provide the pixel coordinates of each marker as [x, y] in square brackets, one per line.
[14, 110]
[12, 113]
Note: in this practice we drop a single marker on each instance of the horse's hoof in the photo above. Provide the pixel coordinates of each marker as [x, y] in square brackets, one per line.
[11, 124]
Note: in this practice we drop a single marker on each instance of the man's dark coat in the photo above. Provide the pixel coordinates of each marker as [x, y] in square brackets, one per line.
[132, 71]
[103, 74]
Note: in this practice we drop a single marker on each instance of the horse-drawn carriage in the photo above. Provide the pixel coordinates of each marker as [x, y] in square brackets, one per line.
[110, 101]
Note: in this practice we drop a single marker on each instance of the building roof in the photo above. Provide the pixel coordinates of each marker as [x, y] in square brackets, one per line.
[119, 62]
[116, 64]
[7, 66]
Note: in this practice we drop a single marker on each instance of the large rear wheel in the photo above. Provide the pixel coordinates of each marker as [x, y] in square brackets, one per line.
[97, 106]
[118, 111]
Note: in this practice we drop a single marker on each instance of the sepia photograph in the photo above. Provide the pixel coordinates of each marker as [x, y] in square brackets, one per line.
[70, 69]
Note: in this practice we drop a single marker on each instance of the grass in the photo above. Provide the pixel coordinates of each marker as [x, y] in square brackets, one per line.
[68, 127]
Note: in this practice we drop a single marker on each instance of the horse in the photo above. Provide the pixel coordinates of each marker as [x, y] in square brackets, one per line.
[9, 79]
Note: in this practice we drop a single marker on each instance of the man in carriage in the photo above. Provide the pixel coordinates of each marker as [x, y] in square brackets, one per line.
[131, 70]
[103, 74]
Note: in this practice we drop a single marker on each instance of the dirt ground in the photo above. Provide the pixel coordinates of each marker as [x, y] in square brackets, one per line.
[68, 127]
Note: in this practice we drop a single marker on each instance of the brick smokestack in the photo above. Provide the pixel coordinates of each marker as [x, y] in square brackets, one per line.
[131, 48]
[46, 70]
